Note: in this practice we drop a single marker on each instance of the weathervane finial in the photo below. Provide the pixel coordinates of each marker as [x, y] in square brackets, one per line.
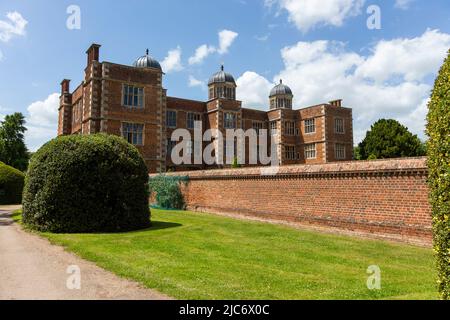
[146, 52]
[222, 67]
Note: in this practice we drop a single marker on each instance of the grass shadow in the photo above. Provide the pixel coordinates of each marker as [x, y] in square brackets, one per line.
[157, 225]
[160, 225]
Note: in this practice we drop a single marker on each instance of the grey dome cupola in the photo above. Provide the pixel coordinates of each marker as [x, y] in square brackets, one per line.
[221, 77]
[281, 97]
[280, 89]
[147, 62]
[222, 86]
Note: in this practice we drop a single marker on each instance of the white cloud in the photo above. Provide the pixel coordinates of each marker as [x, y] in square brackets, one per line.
[193, 82]
[173, 61]
[201, 53]
[42, 121]
[321, 71]
[253, 90]
[1, 55]
[14, 26]
[410, 58]
[403, 4]
[307, 14]
[226, 39]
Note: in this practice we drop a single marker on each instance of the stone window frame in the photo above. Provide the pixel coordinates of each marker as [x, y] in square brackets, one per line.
[272, 124]
[77, 111]
[196, 115]
[190, 148]
[310, 151]
[226, 121]
[122, 132]
[291, 153]
[289, 128]
[257, 126]
[170, 145]
[336, 119]
[310, 126]
[339, 154]
[167, 118]
[141, 96]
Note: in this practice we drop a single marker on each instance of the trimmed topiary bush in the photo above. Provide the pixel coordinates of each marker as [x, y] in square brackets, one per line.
[438, 130]
[11, 184]
[91, 183]
[166, 191]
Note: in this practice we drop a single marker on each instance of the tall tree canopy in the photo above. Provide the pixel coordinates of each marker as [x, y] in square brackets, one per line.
[13, 150]
[438, 130]
[390, 139]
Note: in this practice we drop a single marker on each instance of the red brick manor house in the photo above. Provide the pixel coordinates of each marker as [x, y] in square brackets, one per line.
[130, 101]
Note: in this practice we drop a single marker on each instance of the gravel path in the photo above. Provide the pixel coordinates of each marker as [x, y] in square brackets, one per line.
[33, 269]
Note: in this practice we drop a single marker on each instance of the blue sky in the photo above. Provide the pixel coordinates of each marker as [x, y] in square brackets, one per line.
[322, 49]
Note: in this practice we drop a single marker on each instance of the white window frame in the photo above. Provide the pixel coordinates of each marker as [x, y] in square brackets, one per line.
[310, 126]
[311, 151]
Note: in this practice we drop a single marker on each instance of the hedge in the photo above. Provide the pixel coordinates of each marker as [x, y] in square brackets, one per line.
[438, 130]
[89, 183]
[11, 184]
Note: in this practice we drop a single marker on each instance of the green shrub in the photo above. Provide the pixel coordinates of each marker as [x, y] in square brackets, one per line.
[94, 183]
[11, 184]
[438, 130]
[167, 192]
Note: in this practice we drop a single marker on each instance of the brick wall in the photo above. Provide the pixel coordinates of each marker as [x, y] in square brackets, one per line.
[383, 199]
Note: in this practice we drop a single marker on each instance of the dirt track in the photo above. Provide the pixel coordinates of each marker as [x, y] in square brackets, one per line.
[32, 268]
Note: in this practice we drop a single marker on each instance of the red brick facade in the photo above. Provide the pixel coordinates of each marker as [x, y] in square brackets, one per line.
[385, 198]
[97, 105]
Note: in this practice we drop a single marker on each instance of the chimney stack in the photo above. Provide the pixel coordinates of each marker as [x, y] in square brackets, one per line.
[93, 53]
[336, 103]
[65, 86]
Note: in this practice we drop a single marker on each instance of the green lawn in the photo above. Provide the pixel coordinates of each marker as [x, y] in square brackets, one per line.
[201, 256]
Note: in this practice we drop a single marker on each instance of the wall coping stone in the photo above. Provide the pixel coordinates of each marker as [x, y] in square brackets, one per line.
[401, 166]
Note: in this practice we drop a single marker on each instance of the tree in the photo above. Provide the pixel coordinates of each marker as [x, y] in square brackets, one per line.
[438, 131]
[390, 139]
[13, 150]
